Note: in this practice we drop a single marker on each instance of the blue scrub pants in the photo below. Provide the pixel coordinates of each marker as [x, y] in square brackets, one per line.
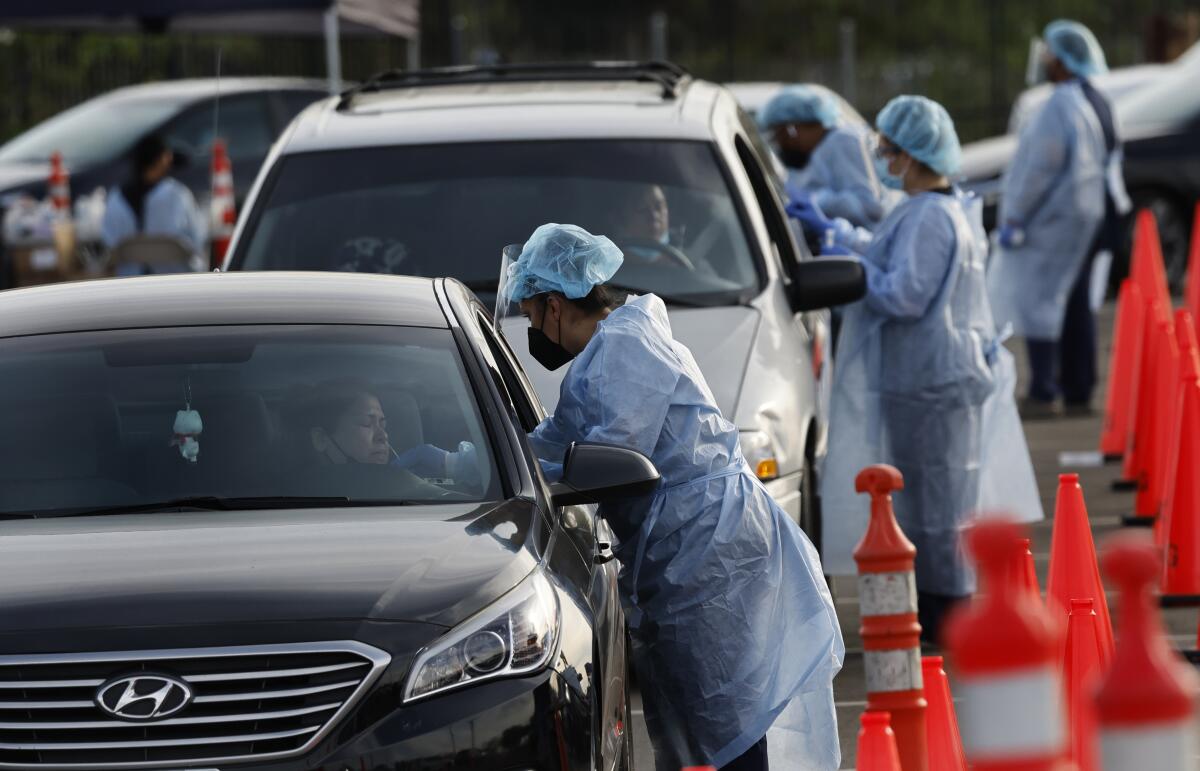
[753, 759]
[1067, 366]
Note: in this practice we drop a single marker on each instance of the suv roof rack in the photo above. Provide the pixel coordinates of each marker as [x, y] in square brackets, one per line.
[666, 74]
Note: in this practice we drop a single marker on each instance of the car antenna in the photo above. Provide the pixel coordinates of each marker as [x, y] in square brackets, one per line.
[216, 131]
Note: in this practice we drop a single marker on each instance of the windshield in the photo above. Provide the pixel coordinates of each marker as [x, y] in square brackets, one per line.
[448, 210]
[96, 131]
[238, 417]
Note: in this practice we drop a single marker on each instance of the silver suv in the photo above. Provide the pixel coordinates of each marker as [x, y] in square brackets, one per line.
[432, 173]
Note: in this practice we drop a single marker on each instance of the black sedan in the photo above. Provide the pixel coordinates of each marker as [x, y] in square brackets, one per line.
[291, 521]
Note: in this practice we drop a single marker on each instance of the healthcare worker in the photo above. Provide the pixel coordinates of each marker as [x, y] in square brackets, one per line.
[921, 374]
[734, 631]
[151, 202]
[826, 157]
[1063, 185]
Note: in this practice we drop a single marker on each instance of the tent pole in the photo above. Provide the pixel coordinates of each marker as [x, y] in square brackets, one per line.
[333, 51]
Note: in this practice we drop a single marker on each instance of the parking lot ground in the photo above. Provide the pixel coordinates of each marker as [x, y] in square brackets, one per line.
[1047, 440]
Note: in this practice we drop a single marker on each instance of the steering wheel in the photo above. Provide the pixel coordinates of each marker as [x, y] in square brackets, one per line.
[658, 248]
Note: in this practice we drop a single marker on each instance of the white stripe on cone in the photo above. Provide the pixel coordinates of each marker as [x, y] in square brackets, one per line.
[1016, 715]
[1154, 748]
[895, 670]
[887, 594]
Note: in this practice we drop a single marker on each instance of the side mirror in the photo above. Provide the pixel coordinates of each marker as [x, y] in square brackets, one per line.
[595, 473]
[827, 281]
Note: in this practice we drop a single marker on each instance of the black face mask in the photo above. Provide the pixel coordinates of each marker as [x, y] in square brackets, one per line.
[545, 351]
[793, 159]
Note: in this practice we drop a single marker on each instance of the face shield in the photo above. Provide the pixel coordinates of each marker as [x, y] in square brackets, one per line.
[1035, 67]
[506, 310]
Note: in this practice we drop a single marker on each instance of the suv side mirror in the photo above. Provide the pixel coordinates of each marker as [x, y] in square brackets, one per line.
[827, 281]
[595, 473]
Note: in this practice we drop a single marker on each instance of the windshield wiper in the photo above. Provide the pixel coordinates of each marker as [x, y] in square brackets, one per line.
[197, 502]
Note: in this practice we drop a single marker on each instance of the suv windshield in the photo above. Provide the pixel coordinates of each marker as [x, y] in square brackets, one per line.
[448, 210]
[238, 417]
[91, 133]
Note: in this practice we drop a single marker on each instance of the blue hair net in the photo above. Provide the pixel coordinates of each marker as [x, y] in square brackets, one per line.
[1076, 47]
[800, 104]
[923, 129]
[562, 258]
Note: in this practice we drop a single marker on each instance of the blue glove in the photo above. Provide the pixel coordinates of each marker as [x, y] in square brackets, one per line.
[1011, 236]
[809, 214]
[424, 460]
[836, 250]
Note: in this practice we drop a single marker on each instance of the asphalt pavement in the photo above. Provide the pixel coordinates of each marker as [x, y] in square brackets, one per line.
[1047, 440]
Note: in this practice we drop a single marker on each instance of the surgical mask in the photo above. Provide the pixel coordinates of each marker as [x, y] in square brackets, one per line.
[545, 351]
[793, 159]
[890, 180]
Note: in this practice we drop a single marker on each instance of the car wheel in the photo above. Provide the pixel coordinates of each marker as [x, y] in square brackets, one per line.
[1173, 232]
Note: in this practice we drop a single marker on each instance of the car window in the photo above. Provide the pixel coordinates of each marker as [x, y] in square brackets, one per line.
[245, 125]
[96, 131]
[448, 210]
[120, 418]
[295, 101]
[777, 227]
[519, 389]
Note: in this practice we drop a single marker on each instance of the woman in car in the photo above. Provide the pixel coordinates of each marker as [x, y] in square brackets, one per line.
[733, 628]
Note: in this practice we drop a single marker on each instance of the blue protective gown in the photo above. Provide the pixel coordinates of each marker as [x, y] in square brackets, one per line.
[169, 210]
[1055, 189]
[733, 628]
[919, 370]
[842, 178]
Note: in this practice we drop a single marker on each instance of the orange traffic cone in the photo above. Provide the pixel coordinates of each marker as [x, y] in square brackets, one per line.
[1145, 703]
[1022, 572]
[1073, 569]
[1085, 662]
[1147, 268]
[1139, 458]
[941, 723]
[1191, 292]
[1178, 532]
[1162, 410]
[877, 743]
[1123, 369]
[59, 187]
[224, 212]
[1189, 359]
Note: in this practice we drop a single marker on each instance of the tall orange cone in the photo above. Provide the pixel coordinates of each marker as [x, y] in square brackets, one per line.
[1123, 369]
[945, 743]
[1147, 268]
[1178, 531]
[1022, 572]
[1162, 411]
[877, 743]
[1145, 703]
[1085, 662]
[1006, 649]
[1141, 416]
[1145, 436]
[224, 212]
[1073, 569]
[1191, 292]
[59, 187]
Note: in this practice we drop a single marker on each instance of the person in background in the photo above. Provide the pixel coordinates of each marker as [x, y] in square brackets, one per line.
[918, 360]
[837, 175]
[1062, 200]
[153, 203]
[735, 638]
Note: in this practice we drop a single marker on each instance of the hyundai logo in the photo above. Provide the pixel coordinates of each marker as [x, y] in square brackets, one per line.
[143, 697]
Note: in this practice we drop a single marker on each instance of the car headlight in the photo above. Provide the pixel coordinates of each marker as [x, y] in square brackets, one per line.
[515, 635]
[760, 454]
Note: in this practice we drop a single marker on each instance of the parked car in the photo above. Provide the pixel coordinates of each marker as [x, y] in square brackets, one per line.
[95, 137]
[754, 95]
[434, 173]
[1159, 118]
[202, 591]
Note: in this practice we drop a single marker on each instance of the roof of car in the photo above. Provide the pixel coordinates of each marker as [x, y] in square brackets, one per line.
[517, 111]
[220, 299]
[200, 88]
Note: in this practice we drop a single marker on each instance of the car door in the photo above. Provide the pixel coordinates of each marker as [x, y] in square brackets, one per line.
[595, 542]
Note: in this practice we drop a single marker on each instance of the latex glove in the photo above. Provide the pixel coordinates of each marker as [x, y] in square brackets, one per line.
[425, 460]
[1011, 236]
[836, 250]
[809, 214]
[463, 465]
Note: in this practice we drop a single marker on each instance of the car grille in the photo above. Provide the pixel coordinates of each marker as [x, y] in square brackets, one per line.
[249, 703]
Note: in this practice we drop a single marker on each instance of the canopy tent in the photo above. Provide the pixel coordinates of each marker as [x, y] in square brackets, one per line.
[330, 18]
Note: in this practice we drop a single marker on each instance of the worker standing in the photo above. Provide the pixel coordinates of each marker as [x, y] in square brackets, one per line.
[1062, 199]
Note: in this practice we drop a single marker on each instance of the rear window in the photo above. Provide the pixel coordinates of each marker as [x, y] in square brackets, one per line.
[271, 416]
[448, 210]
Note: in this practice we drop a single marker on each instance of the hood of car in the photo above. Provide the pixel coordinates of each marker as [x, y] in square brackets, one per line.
[15, 177]
[434, 564]
[719, 338]
[987, 158]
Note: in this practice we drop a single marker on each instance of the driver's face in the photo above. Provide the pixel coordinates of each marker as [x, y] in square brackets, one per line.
[648, 216]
